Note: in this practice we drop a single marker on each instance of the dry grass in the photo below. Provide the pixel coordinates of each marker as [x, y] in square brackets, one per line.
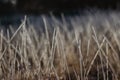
[82, 53]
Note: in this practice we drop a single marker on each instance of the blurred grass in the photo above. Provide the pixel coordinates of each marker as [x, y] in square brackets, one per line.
[88, 51]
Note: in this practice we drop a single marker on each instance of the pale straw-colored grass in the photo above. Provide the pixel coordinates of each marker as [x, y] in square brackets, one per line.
[88, 51]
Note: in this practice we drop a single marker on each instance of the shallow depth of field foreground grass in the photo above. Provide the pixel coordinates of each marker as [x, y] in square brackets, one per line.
[85, 48]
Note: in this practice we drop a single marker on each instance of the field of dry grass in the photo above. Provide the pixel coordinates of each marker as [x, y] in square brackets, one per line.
[89, 50]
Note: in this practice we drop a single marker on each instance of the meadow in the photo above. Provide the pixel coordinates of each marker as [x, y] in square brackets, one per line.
[80, 47]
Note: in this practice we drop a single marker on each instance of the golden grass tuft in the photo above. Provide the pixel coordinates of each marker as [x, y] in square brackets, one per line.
[83, 53]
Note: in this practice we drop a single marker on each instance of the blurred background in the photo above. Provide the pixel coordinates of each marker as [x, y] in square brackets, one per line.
[13, 11]
[45, 6]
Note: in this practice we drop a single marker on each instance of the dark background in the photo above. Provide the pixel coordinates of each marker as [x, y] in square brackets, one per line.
[57, 6]
[12, 12]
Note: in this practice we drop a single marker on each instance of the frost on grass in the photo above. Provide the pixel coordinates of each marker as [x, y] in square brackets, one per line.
[84, 48]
